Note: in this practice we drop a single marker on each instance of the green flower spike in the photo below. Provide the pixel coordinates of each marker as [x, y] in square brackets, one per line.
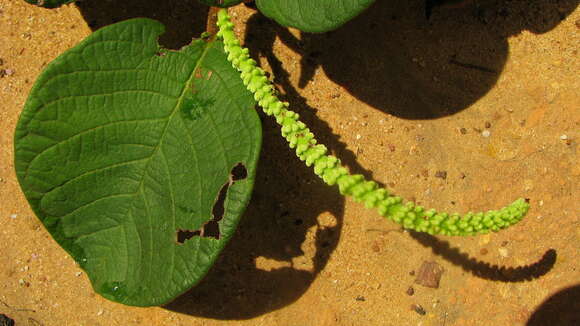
[329, 168]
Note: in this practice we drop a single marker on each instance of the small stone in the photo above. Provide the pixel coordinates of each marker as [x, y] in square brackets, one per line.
[391, 147]
[503, 252]
[21, 282]
[360, 298]
[441, 174]
[488, 124]
[463, 131]
[486, 133]
[100, 312]
[418, 309]
[564, 137]
[358, 137]
[484, 239]
[429, 274]
[13, 216]
[77, 274]
[483, 251]
[410, 291]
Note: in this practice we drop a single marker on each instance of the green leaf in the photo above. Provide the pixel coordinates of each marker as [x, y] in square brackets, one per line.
[221, 3]
[130, 154]
[49, 3]
[314, 16]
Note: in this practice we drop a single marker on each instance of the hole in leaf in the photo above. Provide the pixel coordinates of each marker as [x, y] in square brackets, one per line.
[211, 228]
[218, 208]
[239, 172]
[184, 235]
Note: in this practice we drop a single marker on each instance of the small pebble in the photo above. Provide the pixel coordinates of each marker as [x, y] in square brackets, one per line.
[13, 216]
[358, 137]
[488, 124]
[360, 298]
[77, 274]
[503, 252]
[564, 137]
[486, 133]
[441, 174]
[483, 251]
[101, 312]
[418, 309]
[463, 131]
[410, 291]
[429, 274]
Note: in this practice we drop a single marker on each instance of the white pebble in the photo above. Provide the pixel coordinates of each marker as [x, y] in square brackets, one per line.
[358, 137]
[486, 133]
[503, 252]
[101, 312]
[564, 137]
[13, 216]
[78, 274]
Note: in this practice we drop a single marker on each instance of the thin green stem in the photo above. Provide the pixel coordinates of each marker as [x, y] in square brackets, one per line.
[329, 167]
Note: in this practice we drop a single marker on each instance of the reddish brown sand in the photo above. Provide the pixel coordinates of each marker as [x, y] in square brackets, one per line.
[467, 111]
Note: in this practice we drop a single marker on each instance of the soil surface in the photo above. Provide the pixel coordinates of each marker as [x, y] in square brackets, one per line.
[469, 110]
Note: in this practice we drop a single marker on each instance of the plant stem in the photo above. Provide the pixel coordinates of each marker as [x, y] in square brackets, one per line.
[329, 167]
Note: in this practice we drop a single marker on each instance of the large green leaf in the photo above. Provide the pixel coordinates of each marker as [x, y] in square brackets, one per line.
[139, 161]
[49, 3]
[312, 15]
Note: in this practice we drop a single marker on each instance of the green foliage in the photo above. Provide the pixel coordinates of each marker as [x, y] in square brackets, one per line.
[139, 161]
[49, 3]
[329, 167]
[314, 16]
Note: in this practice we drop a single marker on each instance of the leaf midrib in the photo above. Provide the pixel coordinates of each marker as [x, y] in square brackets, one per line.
[207, 46]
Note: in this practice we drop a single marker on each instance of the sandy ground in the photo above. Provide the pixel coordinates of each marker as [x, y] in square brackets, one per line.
[467, 111]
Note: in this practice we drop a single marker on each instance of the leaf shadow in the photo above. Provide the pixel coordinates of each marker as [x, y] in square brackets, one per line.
[561, 308]
[266, 266]
[184, 19]
[398, 62]
[486, 270]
